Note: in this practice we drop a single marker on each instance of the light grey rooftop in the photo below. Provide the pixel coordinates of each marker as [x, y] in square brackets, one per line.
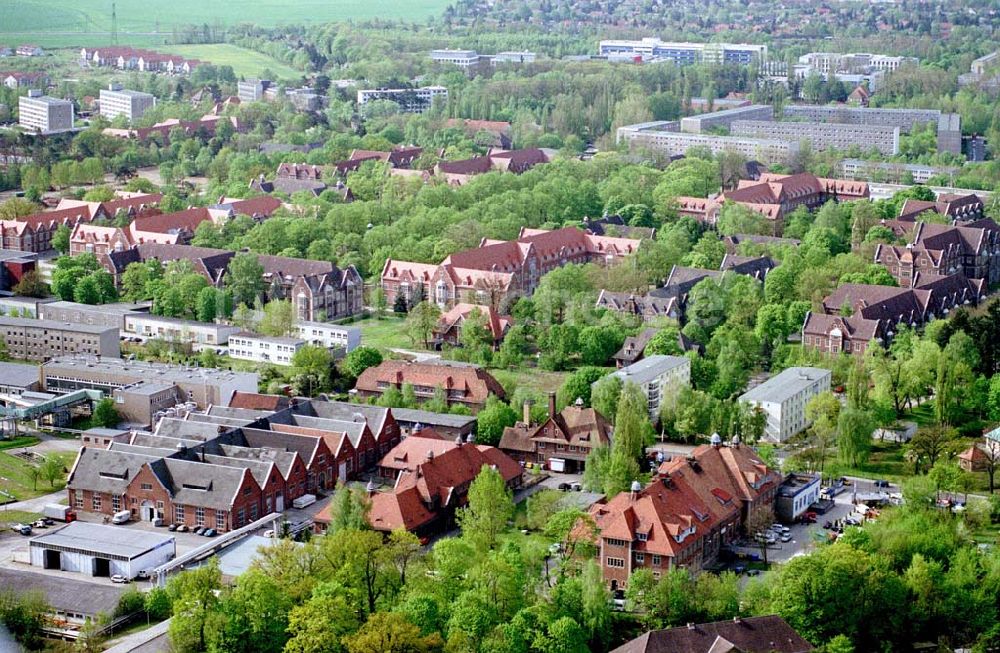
[146, 370]
[27, 322]
[649, 368]
[82, 536]
[18, 374]
[64, 594]
[784, 385]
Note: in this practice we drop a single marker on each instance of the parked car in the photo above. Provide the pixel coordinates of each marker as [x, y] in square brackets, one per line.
[753, 572]
[198, 529]
[23, 529]
[576, 487]
[118, 578]
[158, 522]
[269, 533]
[787, 537]
[209, 532]
[883, 484]
[182, 528]
[40, 524]
[564, 487]
[172, 528]
[143, 574]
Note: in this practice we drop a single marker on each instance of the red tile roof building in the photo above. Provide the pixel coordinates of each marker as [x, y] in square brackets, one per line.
[960, 208]
[499, 131]
[768, 634]
[468, 385]
[695, 506]
[775, 195]
[449, 327]
[497, 267]
[432, 479]
[33, 233]
[515, 161]
[568, 436]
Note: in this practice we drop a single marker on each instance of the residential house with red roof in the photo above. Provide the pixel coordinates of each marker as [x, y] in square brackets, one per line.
[465, 384]
[562, 441]
[969, 248]
[15, 80]
[959, 208]
[694, 506]
[492, 133]
[461, 172]
[449, 327]
[766, 634]
[496, 268]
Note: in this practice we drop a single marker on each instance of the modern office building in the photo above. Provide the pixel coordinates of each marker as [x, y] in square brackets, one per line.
[252, 90]
[264, 349]
[410, 100]
[460, 58]
[42, 114]
[821, 135]
[116, 101]
[659, 377]
[783, 399]
[654, 49]
[40, 340]
[199, 335]
[854, 63]
[893, 172]
[724, 118]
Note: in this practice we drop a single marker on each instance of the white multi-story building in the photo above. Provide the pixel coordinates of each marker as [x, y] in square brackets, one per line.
[252, 90]
[651, 48]
[264, 349]
[783, 399]
[331, 336]
[460, 58]
[199, 334]
[410, 100]
[116, 101]
[823, 135]
[43, 114]
[663, 137]
[659, 377]
[512, 56]
[856, 62]
[725, 117]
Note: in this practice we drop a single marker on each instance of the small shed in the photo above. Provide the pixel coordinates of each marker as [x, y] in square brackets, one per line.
[96, 550]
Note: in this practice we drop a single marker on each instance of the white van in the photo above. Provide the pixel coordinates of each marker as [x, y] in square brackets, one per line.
[121, 517]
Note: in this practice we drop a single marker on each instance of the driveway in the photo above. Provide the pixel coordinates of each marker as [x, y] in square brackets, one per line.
[418, 356]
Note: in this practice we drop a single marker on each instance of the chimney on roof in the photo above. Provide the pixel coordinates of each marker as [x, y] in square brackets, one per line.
[527, 412]
[552, 404]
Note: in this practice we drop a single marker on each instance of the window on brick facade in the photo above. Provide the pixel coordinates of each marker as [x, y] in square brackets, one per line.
[116, 503]
[240, 517]
[95, 502]
[253, 512]
[616, 563]
[78, 500]
[247, 491]
[640, 558]
[179, 513]
[159, 507]
[220, 520]
[656, 561]
[146, 486]
[199, 516]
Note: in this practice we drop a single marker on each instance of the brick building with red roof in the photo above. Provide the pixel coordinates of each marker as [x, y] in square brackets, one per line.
[468, 385]
[683, 517]
[568, 436]
[449, 327]
[496, 268]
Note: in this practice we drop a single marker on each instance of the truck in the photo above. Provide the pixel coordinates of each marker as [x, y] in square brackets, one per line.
[304, 500]
[58, 512]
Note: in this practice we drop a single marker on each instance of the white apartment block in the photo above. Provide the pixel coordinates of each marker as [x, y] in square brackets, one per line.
[664, 137]
[43, 114]
[857, 62]
[331, 336]
[783, 399]
[460, 58]
[892, 172]
[651, 48]
[264, 349]
[510, 56]
[823, 135]
[659, 377]
[410, 100]
[252, 90]
[200, 335]
[116, 101]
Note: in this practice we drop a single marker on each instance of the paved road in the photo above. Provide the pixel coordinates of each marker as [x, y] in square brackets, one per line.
[36, 504]
[418, 356]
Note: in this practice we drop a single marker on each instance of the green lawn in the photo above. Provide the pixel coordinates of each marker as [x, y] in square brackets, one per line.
[245, 63]
[14, 477]
[9, 517]
[384, 334]
[70, 22]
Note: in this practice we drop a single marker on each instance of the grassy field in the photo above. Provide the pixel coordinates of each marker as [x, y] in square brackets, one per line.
[386, 333]
[72, 22]
[14, 477]
[245, 63]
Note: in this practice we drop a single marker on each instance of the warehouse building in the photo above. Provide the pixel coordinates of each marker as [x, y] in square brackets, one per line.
[95, 550]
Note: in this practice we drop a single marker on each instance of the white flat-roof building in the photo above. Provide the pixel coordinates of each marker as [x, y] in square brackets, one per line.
[171, 329]
[663, 137]
[783, 399]
[330, 336]
[95, 550]
[654, 49]
[460, 58]
[893, 172]
[410, 100]
[264, 349]
[725, 117]
[855, 62]
[116, 101]
[659, 377]
[43, 114]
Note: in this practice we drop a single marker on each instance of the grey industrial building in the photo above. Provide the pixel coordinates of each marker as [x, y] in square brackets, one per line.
[725, 118]
[663, 136]
[40, 340]
[116, 101]
[822, 135]
[43, 114]
[949, 127]
[96, 550]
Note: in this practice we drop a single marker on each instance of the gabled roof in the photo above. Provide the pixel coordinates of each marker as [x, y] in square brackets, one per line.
[457, 314]
[256, 401]
[768, 634]
[472, 382]
[574, 425]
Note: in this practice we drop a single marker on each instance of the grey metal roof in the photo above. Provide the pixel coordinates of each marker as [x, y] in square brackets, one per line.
[784, 385]
[199, 484]
[142, 370]
[103, 470]
[413, 416]
[18, 375]
[354, 430]
[376, 416]
[62, 593]
[96, 539]
[24, 322]
[649, 368]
